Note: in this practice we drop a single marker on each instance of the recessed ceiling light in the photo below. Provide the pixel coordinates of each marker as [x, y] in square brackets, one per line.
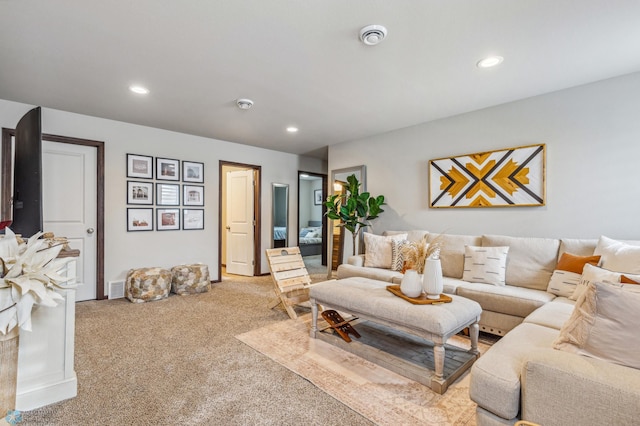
[139, 90]
[244, 103]
[292, 129]
[490, 61]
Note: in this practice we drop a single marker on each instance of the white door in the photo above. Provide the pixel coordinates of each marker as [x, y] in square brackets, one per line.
[240, 222]
[69, 205]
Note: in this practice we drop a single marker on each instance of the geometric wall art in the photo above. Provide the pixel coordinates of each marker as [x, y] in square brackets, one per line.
[508, 177]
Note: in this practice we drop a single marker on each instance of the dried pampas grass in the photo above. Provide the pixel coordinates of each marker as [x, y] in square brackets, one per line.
[416, 253]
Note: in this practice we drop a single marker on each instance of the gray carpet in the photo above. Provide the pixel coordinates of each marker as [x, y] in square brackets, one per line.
[176, 361]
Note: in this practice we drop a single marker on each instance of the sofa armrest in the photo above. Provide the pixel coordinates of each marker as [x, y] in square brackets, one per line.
[357, 260]
[560, 388]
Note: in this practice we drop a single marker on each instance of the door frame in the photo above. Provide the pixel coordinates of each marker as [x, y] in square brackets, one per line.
[325, 232]
[7, 134]
[257, 214]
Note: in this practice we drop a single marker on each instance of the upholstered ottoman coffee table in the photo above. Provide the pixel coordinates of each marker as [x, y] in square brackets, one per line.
[371, 302]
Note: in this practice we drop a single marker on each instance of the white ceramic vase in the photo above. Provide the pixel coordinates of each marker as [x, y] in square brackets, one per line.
[411, 285]
[432, 280]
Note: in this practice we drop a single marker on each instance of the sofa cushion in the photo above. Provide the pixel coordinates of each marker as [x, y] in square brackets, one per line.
[452, 251]
[495, 376]
[510, 300]
[386, 275]
[619, 256]
[604, 325]
[378, 250]
[553, 314]
[580, 247]
[531, 260]
[485, 264]
[414, 235]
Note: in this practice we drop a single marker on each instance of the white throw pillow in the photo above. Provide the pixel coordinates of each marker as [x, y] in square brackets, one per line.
[618, 256]
[485, 265]
[604, 325]
[378, 250]
[593, 274]
[563, 283]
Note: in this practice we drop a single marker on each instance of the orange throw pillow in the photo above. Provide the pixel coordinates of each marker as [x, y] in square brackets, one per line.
[572, 263]
[626, 280]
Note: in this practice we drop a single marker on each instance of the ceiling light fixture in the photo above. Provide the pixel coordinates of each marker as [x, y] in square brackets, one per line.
[292, 129]
[139, 90]
[373, 34]
[490, 61]
[244, 103]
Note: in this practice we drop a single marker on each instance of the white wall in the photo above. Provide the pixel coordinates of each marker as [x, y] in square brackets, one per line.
[592, 134]
[125, 250]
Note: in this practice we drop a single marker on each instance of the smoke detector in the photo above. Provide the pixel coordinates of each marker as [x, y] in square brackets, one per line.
[373, 34]
[244, 103]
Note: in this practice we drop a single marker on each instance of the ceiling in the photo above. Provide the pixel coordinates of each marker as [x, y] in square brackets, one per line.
[301, 62]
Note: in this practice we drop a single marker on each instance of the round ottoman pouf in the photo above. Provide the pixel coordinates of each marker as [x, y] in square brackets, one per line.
[147, 284]
[189, 279]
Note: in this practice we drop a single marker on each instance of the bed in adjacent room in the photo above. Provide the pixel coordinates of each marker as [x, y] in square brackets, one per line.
[310, 238]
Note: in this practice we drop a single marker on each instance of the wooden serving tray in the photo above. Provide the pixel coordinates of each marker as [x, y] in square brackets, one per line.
[420, 300]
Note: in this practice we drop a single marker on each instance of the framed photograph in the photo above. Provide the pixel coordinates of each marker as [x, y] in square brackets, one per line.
[168, 219]
[510, 177]
[139, 192]
[167, 194]
[317, 197]
[192, 219]
[139, 166]
[167, 169]
[192, 172]
[192, 195]
[139, 219]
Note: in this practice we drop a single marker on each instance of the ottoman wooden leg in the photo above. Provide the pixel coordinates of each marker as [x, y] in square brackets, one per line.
[438, 359]
[314, 318]
[474, 331]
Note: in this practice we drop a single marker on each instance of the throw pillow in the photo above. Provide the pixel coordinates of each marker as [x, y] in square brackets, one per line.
[485, 265]
[572, 263]
[563, 283]
[618, 256]
[397, 259]
[603, 325]
[592, 274]
[626, 280]
[378, 250]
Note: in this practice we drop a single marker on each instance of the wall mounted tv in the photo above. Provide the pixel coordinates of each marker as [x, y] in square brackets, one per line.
[27, 173]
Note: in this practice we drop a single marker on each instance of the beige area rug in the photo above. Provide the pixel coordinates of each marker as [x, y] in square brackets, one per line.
[378, 394]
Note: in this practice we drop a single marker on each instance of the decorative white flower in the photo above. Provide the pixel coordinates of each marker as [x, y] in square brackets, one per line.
[28, 277]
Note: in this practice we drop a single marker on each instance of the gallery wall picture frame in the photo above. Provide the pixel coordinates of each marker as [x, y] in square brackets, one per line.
[192, 172]
[192, 195]
[192, 219]
[139, 219]
[167, 169]
[317, 197]
[139, 192]
[167, 194]
[167, 219]
[510, 177]
[139, 166]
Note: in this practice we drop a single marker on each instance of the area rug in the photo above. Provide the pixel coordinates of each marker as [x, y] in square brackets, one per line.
[376, 393]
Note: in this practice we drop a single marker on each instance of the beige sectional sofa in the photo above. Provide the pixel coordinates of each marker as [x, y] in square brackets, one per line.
[522, 376]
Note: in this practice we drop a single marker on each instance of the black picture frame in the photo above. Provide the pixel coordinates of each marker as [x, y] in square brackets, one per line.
[167, 169]
[192, 195]
[167, 219]
[317, 197]
[139, 166]
[192, 172]
[167, 194]
[192, 219]
[139, 192]
[139, 219]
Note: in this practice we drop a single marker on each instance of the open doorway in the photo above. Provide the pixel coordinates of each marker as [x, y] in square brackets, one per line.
[312, 222]
[239, 211]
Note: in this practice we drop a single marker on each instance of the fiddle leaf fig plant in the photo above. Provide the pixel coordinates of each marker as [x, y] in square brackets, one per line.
[354, 209]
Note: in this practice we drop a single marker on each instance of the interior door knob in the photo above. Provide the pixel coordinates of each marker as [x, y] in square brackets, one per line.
[228, 228]
[90, 231]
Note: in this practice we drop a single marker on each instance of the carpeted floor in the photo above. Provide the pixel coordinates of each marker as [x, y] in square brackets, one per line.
[176, 361]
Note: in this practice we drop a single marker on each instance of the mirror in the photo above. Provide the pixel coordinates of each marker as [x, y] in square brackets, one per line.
[340, 244]
[280, 219]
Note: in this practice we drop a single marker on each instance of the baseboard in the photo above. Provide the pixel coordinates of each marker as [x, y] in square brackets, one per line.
[47, 394]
